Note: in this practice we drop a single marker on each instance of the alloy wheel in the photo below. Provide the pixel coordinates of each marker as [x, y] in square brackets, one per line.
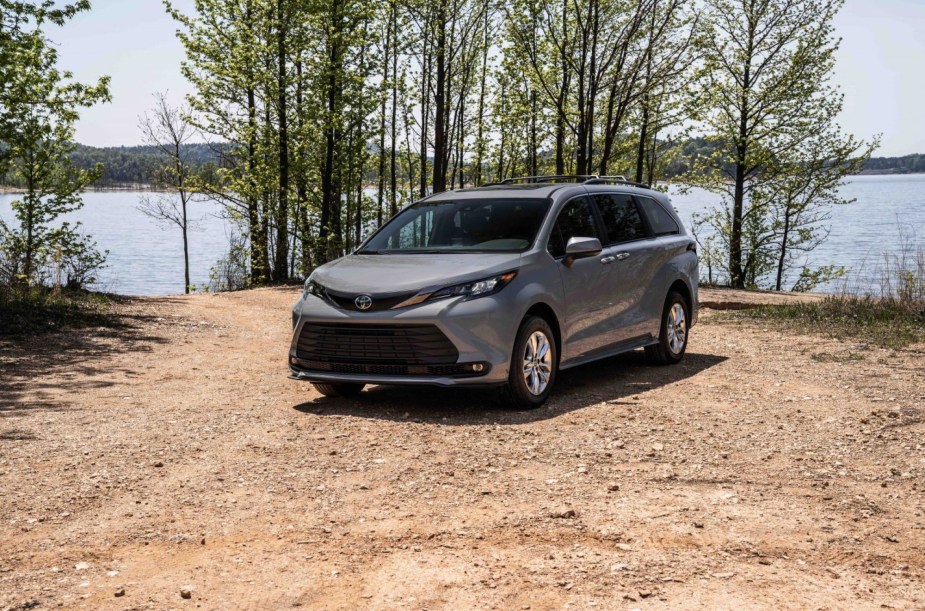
[537, 363]
[677, 328]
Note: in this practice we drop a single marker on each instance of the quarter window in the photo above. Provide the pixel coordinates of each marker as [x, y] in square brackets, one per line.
[576, 220]
[621, 218]
[659, 219]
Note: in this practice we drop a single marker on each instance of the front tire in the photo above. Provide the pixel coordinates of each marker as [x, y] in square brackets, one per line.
[338, 390]
[534, 363]
[673, 333]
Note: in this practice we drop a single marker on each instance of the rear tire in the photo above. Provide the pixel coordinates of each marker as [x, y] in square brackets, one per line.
[534, 362]
[338, 390]
[673, 332]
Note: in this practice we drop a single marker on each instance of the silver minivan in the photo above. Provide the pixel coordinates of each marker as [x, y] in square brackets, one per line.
[503, 286]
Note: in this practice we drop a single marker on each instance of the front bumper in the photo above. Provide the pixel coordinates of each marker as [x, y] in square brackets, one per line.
[481, 330]
[335, 378]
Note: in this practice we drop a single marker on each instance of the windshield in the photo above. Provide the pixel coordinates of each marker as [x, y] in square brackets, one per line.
[469, 225]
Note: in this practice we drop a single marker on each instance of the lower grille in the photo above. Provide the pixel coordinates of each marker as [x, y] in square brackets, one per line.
[375, 345]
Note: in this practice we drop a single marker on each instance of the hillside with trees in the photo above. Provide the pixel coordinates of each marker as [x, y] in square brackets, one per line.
[908, 164]
[139, 166]
[136, 165]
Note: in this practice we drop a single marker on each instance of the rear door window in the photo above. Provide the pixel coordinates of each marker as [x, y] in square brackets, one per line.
[576, 220]
[659, 219]
[621, 218]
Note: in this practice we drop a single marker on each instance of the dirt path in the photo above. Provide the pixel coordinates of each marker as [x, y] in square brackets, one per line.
[766, 471]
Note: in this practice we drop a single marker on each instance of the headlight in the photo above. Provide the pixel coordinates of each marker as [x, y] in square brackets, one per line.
[313, 288]
[479, 288]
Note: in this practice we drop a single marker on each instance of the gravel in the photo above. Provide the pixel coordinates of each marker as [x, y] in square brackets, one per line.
[747, 476]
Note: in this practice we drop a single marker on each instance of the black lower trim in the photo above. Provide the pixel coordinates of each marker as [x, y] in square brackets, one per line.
[456, 370]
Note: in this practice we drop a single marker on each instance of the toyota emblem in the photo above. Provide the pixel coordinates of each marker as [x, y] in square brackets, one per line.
[363, 302]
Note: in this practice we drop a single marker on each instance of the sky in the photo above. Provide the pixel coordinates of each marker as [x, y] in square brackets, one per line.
[880, 68]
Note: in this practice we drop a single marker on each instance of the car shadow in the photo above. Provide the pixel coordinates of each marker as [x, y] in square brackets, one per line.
[612, 380]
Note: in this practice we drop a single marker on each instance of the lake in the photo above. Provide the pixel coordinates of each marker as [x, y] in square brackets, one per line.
[885, 208]
[146, 258]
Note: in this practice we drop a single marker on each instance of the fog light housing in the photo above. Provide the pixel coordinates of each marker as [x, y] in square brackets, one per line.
[474, 368]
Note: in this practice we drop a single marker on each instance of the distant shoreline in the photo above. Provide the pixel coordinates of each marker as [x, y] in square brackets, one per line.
[134, 187]
[122, 187]
[887, 173]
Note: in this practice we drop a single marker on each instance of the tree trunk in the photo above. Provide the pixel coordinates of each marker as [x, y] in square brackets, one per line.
[307, 243]
[281, 260]
[594, 9]
[425, 109]
[736, 273]
[30, 238]
[480, 141]
[652, 156]
[380, 194]
[184, 222]
[581, 154]
[440, 118]
[501, 156]
[358, 221]
[327, 171]
[534, 143]
[185, 249]
[643, 139]
[393, 207]
[410, 157]
[329, 233]
[563, 93]
[304, 231]
[350, 205]
[259, 263]
[736, 277]
[785, 237]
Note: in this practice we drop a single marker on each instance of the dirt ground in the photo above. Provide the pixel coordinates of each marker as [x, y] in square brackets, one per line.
[768, 470]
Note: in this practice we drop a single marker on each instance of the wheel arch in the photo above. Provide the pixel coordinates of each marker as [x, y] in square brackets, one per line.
[680, 287]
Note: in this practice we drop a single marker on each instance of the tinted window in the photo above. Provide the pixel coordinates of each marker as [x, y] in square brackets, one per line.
[575, 221]
[659, 219]
[621, 218]
[463, 225]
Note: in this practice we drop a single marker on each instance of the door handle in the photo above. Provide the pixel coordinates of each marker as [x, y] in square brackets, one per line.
[622, 255]
[609, 259]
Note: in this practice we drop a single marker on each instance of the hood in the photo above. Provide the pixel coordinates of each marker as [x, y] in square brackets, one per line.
[390, 274]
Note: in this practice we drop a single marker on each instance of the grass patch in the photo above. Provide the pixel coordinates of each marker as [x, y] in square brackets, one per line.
[889, 314]
[886, 322]
[824, 357]
[33, 311]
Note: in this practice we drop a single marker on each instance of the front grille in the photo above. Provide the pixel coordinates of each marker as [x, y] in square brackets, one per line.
[346, 301]
[399, 345]
[391, 370]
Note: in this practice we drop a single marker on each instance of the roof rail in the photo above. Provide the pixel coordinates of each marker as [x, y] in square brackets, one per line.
[588, 179]
[549, 178]
[615, 180]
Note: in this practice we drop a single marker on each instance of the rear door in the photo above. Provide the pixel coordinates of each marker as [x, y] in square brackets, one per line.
[668, 242]
[584, 302]
[630, 264]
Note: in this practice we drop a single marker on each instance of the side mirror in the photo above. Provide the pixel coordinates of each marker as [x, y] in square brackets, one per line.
[579, 248]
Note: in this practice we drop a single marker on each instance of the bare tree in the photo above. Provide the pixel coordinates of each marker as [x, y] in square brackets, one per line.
[165, 129]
